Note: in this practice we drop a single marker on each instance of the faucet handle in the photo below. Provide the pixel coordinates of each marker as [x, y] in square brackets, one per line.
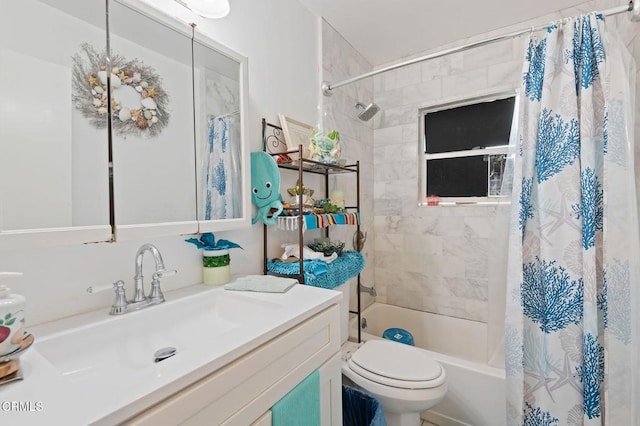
[161, 273]
[119, 305]
[155, 295]
[93, 289]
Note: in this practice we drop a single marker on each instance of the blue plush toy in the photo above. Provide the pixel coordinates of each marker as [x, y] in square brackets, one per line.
[265, 187]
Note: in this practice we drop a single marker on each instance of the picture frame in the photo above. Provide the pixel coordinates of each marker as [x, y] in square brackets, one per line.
[296, 133]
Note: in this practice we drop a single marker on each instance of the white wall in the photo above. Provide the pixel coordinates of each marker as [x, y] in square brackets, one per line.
[281, 40]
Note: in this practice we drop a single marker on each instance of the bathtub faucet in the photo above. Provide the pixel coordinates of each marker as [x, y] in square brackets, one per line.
[370, 290]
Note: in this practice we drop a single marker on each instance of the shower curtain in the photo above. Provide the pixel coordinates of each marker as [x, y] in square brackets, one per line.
[221, 168]
[571, 332]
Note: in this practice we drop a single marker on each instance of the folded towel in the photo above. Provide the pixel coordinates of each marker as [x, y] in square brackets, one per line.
[320, 274]
[261, 283]
[293, 250]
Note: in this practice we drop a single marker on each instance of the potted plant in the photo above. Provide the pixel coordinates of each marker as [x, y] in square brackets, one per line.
[325, 148]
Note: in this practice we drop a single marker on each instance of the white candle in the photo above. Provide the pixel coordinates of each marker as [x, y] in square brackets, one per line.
[218, 274]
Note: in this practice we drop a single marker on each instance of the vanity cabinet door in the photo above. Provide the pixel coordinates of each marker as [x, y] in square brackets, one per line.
[264, 420]
[54, 183]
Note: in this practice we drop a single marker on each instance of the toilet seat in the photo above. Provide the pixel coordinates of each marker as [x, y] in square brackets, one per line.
[397, 365]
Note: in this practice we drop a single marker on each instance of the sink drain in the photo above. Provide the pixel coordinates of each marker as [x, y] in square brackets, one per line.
[164, 353]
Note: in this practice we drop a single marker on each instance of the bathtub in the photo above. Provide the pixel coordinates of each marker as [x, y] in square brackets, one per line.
[476, 395]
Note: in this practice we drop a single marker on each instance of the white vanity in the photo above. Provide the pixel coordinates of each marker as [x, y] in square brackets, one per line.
[237, 354]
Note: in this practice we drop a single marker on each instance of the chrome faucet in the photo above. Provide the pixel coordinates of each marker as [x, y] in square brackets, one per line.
[140, 300]
[120, 304]
[138, 279]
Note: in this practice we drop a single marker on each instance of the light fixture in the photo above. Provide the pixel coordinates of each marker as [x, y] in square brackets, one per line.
[212, 9]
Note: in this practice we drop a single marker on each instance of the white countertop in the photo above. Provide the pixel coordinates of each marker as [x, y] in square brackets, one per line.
[48, 395]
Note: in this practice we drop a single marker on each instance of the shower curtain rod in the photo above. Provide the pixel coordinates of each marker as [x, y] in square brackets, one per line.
[327, 87]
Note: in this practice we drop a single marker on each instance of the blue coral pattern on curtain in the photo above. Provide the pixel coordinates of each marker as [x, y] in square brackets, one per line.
[571, 335]
[221, 168]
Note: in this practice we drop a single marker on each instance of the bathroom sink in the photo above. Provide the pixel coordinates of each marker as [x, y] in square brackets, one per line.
[123, 347]
[99, 369]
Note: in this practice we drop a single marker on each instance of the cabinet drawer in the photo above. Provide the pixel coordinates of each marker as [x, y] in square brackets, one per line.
[254, 381]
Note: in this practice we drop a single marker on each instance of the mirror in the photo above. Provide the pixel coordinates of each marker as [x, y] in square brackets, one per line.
[152, 123]
[219, 79]
[181, 105]
[151, 110]
[53, 160]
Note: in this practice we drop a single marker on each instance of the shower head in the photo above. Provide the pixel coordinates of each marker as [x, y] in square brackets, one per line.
[367, 112]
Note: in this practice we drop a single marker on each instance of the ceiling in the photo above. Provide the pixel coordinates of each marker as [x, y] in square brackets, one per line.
[386, 31]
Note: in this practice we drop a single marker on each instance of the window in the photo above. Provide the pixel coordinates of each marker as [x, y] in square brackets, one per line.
[465, 148]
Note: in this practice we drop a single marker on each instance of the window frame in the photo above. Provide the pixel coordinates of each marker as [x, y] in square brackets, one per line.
[493, 150]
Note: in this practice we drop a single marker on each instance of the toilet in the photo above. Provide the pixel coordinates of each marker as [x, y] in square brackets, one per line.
[405, 379]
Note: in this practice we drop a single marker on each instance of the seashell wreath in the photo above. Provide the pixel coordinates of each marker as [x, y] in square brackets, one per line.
[90, 95]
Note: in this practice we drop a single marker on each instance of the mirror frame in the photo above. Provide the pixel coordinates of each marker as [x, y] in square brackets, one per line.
[47, 237]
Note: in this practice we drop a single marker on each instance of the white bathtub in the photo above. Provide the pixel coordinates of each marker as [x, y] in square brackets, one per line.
[476, 393]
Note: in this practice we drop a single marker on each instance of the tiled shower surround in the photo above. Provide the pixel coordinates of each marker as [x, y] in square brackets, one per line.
[448, 260]
[341, 61]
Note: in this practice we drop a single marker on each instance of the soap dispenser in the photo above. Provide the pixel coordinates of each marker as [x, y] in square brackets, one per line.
[11, 316]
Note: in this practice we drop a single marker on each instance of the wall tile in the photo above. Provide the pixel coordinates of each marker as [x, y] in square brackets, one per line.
[408, 262]
[435, 69]
[467, 288]
[477, 267]
[410, 134]
[450, 306]
[467, 82]
[390, 171]
[403, 114]
[395, 190]
[505, 73]
[388, 135]
[378, 83]
[485, 56]
[386, 207]
[417, 93]
[428, 245]
[388, 243]
[340, 61]
[402, 77]
[389, 98]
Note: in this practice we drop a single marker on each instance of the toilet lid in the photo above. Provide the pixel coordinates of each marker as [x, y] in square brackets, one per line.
[396, 364]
